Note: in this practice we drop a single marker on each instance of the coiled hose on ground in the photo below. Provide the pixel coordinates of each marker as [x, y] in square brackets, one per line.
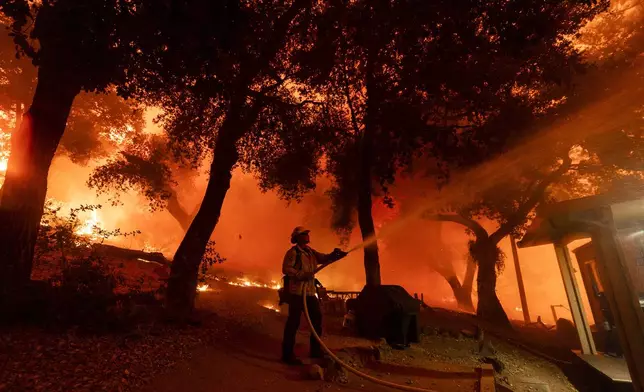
[347, 367]
[399, 386]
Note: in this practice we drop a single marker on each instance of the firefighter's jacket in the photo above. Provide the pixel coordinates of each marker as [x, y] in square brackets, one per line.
[310, 260]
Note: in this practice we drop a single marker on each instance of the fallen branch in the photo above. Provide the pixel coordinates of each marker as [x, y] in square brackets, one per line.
[130, 254]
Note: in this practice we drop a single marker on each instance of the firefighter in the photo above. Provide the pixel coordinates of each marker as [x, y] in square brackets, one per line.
[300, 263]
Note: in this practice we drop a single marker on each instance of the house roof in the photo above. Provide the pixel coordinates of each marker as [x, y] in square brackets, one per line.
[572, 219]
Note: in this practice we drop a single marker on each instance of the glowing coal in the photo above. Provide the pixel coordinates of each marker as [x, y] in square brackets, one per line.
[203, 288]
[271, 307]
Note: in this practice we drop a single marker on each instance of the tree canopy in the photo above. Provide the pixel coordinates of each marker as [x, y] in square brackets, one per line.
[577, 157]
[146, 165]
[97, 123]
[76, 46]
[453, 81]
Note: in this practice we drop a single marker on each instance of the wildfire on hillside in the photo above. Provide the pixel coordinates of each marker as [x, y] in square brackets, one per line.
[245, 282]
[89, 225]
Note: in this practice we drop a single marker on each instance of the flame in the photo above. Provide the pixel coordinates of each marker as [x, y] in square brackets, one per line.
[149, 248]
[4, 153]
[120, 135]
[203, 287]
[90, 225]
[245, 282]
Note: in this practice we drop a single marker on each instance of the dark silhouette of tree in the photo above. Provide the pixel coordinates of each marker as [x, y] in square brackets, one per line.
[443, 260]
[423, 78]
[76, 46]
[577, 163]
[602, 164]
[147, 166]
[228, 95]
[97, 123]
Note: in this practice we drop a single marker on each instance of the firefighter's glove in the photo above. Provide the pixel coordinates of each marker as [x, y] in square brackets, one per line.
[338, 254]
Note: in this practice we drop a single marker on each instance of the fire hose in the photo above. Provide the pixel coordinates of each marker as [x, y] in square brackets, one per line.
[343, 364]
[366, 376]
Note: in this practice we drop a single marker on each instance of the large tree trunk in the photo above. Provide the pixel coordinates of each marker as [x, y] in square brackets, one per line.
[463, 297]
[462, 291]
[470, 271]
[18, 116]
[365, 180]
[177, 211]
[16, 127]
[365, 215]
[25, 187]
[489, 308]
[182, 283]
[368, 231]
[462, 294]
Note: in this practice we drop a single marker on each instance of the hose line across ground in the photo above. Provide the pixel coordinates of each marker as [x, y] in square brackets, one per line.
[347, 367]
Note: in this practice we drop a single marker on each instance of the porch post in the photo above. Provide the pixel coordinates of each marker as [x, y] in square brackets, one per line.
[517, 268]
[574, 299]
[622, 299]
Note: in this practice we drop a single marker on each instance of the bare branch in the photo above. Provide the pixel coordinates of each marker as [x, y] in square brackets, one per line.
[354, 117]
[535, 198]
[471, 224]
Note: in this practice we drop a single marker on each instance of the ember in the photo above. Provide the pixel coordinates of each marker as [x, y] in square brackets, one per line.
[203, 287]
[271, 307]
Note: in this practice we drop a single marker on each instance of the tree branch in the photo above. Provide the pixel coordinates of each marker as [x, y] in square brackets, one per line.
[471, 224]
[354, 117]
[273, 46]
[536, 196]
[263, 97]
[309, 102]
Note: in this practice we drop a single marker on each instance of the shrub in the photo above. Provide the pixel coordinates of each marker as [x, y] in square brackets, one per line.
[80, 289]
[210, 258]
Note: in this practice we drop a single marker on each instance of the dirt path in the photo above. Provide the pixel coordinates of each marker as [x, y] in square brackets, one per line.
[246, 355]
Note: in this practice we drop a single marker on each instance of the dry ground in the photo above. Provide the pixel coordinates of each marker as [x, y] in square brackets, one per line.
[236, 348]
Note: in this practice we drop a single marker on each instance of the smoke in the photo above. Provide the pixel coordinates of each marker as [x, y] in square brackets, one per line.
[254, 231]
